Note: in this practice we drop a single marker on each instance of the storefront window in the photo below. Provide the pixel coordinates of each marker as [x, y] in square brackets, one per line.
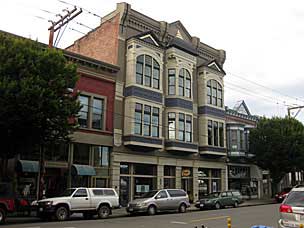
[124, 168]
[169, 176]
[57, 152]
[101, 155]
[144, 185]
[209, 181]
[81, 153]
[144, 169]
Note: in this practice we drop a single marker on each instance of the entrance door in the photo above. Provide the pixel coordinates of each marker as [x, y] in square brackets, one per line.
[124, 190]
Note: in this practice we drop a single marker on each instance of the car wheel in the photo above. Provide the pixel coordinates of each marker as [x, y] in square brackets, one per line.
[182, 208]
[236, 204]
[104, 211]
[218, 205]
[2, 216]
[62, 213]
[151, 210]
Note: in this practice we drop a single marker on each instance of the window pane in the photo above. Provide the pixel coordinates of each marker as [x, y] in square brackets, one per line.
[210, 132]
[171, 81]
[156, 83]
[83, 113]
[148, 60]
[147, 120]
[155, 131]
[81, 154]
[171, 90]
[156, 73]
[171, 125]
[97, 120]
[138, 119]
[140, 59]
[221, 132]
[148, 71]
[101, 155]
[215, 132]
[139, 68]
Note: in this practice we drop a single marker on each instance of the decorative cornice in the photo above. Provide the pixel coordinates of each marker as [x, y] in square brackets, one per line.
[208, 110]
[141, 139]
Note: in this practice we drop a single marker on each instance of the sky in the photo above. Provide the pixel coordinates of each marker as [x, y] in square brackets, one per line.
[263, 40]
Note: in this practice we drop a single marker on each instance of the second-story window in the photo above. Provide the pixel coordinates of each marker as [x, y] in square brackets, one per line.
[183, 127]
[171, 82]
[214, 93]
[91, 114]
[171, 125]
[83, 119]
[184, 83]
[146, 120]
[147, 71]
[215, 133]
[181, 83]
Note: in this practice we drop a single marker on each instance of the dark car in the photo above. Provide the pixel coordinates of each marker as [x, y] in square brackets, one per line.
[279, 197]
[219, 200]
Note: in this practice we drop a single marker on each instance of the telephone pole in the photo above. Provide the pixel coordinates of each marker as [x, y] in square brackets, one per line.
[292, 108]
[70, 15]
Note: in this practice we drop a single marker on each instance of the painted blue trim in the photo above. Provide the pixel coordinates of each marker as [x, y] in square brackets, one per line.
[143, 93]
[178, 102]
[212, 111]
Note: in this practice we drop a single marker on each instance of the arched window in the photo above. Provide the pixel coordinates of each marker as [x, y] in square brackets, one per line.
[214, 93]
[147, 71]
[184, 83]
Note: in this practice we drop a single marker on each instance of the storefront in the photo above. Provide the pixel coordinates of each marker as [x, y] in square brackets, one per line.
[136, 180]
[187, 181]
[209, 181]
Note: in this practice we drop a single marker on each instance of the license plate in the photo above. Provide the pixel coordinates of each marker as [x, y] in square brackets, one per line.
[201, 205]
[130, 209]
[40, 209]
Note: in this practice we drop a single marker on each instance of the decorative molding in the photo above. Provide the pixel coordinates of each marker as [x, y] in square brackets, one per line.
[181, 145]
[143, 93]
[207, 110]
[142, 139]
[178, 102]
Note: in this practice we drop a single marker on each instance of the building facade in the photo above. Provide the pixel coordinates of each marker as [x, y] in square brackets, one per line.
[169, 113]
[85, 161]
[244, 176]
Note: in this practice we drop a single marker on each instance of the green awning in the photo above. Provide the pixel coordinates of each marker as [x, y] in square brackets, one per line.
[27, 166]
[83, 170]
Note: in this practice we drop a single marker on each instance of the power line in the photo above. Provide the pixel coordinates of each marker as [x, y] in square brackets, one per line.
[87, 11]
[76, 30]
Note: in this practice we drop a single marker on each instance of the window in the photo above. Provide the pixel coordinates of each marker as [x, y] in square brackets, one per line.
[188, 128]
[146, 120]
[221, 133]
[171, 125]
[162, 195]
[97, 120]
[171, 82]
[181, 82]
[147, 71]
[155, 122]
[169, 177]
[84, 111]
[81, 193]
[108, 192]
[210, 137]
[138, 119]
[176, 193]
[214, 93]
[91, 114]
[97, 192]
[215, 133]
[156, 74]
[81, 154]
[188, 85]
[181, 127]
[101, 156]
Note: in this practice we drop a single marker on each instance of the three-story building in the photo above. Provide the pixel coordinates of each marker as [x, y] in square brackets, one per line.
[169, 113]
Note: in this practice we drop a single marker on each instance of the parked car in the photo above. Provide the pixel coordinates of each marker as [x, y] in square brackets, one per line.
[279, 197]
[292, 209]
[219, 200]
[89, 201]
[10, 202]
[160, 200]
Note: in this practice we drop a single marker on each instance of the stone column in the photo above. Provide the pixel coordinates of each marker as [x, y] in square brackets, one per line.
[160, 176]
[195, 184]
[178, 177]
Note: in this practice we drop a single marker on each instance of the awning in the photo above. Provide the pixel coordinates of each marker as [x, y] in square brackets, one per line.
[27, 166]
[83, 170]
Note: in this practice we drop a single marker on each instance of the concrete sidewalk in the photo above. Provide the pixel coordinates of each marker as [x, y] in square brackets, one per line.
[122, 212]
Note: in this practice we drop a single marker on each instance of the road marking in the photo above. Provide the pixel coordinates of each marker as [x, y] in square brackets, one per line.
[211, 218]
[177, 222]
[33, 227]
[69, 227]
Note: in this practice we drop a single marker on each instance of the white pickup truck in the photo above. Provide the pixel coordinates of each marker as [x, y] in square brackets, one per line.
[89, 201]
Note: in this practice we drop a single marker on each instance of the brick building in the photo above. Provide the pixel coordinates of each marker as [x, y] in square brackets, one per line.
[169, 128]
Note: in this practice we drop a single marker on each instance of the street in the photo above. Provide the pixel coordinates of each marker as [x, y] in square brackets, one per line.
[242, 217]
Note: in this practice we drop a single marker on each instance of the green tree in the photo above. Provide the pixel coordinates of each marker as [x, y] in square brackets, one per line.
[35, 108]
[278, 144]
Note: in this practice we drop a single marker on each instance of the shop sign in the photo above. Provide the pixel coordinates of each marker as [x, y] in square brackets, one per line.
[186, 173]
[142, 188]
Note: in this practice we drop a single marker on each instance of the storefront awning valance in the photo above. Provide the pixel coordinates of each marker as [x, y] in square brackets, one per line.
[28, 166]
[83, 170]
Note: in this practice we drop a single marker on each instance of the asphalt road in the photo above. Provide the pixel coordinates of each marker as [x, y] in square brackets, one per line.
[243, 217]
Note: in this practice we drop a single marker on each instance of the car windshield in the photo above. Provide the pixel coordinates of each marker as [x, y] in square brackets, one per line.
[295, 199]
[148, 194]
[68, 192]
[213, 195]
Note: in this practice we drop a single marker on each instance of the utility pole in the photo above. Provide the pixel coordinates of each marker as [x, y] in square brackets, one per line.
[296, 107]
[70, 15]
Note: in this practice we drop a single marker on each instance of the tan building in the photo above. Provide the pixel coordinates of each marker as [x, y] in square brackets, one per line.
[169, 113]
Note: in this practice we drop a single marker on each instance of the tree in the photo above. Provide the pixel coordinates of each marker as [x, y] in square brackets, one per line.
[278, 144]
[35, 108]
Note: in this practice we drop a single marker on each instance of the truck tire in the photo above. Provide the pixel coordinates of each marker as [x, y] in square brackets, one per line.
[2, 215]
[62, 213]
[103, 211]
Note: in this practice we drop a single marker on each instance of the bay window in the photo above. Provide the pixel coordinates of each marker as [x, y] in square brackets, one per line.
[147, 71]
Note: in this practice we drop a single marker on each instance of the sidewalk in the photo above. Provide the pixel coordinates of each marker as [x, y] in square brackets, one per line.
[118, 213]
